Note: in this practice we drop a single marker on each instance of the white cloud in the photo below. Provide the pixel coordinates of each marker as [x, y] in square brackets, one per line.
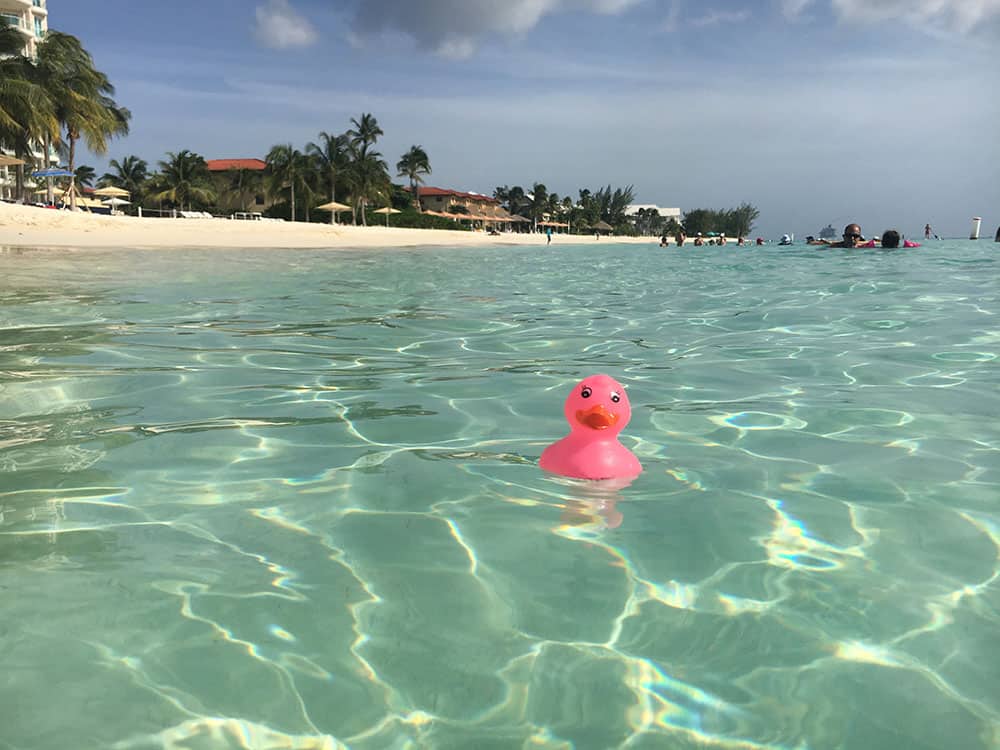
[455, 28]
[715, 17]
[945, 16]
[793, 8]
[670, 24]
[280, 26]
[957, 15]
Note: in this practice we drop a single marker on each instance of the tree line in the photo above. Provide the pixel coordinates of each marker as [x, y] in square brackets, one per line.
[55, 99]
[583, 214]
[335, 168]
[733, 222]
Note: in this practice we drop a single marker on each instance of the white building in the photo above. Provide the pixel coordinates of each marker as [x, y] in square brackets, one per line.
[30, 17]
[666, 213]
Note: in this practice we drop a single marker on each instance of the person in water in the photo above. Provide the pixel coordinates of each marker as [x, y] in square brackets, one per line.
[890, 239]
[852, 237]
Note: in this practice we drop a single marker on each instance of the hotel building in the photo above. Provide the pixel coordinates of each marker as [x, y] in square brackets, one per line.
[31, 19]
[458, 204]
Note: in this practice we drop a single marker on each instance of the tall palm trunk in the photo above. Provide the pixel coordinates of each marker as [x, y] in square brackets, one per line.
[72, 159]
[292, 185]
[415, 192]
[333, 194]
[45, 165]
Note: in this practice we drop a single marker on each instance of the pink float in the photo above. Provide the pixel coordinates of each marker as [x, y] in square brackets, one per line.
[597, 410]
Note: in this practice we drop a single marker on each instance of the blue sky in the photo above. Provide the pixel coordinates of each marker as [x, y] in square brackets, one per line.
[884, 112]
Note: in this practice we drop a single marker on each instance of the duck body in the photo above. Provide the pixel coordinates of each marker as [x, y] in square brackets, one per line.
[597, 410]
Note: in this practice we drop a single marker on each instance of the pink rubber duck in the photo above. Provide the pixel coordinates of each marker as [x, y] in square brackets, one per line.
[597, 410]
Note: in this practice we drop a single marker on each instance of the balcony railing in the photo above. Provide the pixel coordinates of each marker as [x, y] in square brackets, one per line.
[16, 22]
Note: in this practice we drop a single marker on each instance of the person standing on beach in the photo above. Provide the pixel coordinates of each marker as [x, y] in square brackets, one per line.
[548, 235]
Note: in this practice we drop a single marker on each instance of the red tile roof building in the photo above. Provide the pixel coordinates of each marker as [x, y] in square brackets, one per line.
[475, 206]
[235, 190]
[224, 165]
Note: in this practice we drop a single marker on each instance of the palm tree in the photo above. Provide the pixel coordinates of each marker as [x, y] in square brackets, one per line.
[516, 199]
[131, 174]
[26, 113]
[364, 134]
[84, 175]
[412, 165]
[539, 200]
[369, 179]
[289, 170]
[80, 95]
[185, 179]
[244, 185]
[330, 156]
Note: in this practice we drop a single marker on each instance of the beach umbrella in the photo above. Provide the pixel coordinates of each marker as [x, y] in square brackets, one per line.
[603, 226]
[112, 192]
[53, 172]
[387, 210]
[10, 161]
[333, 206]
[114, 201]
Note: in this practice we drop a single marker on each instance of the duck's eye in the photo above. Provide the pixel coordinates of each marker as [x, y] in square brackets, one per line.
[615, 397]
[586, 392]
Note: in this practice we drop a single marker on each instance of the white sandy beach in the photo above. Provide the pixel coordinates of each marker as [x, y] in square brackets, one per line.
[31, 226]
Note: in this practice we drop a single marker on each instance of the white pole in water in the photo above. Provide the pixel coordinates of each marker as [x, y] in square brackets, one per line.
[976, 221]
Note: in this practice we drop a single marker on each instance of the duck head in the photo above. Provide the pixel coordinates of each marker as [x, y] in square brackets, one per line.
[597, 406]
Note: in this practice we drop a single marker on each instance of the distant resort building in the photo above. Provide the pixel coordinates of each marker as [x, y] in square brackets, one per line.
[456, 204]
[224, 165]
[239, 184]
[31, 19]
[667, 213]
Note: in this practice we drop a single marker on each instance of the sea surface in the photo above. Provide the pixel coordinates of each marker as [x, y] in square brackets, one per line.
[290, 499]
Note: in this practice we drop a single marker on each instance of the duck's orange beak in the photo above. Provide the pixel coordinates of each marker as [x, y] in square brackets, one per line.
[596, 417]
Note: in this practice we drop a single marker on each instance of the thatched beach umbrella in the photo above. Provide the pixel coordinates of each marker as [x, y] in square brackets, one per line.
[603, 226]
[111, 192]
[334, 208]
[387, 210]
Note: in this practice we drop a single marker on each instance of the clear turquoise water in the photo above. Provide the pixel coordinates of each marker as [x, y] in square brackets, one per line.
[290, 499]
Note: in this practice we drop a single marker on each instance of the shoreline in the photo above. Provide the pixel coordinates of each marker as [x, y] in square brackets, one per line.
[32, 226]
